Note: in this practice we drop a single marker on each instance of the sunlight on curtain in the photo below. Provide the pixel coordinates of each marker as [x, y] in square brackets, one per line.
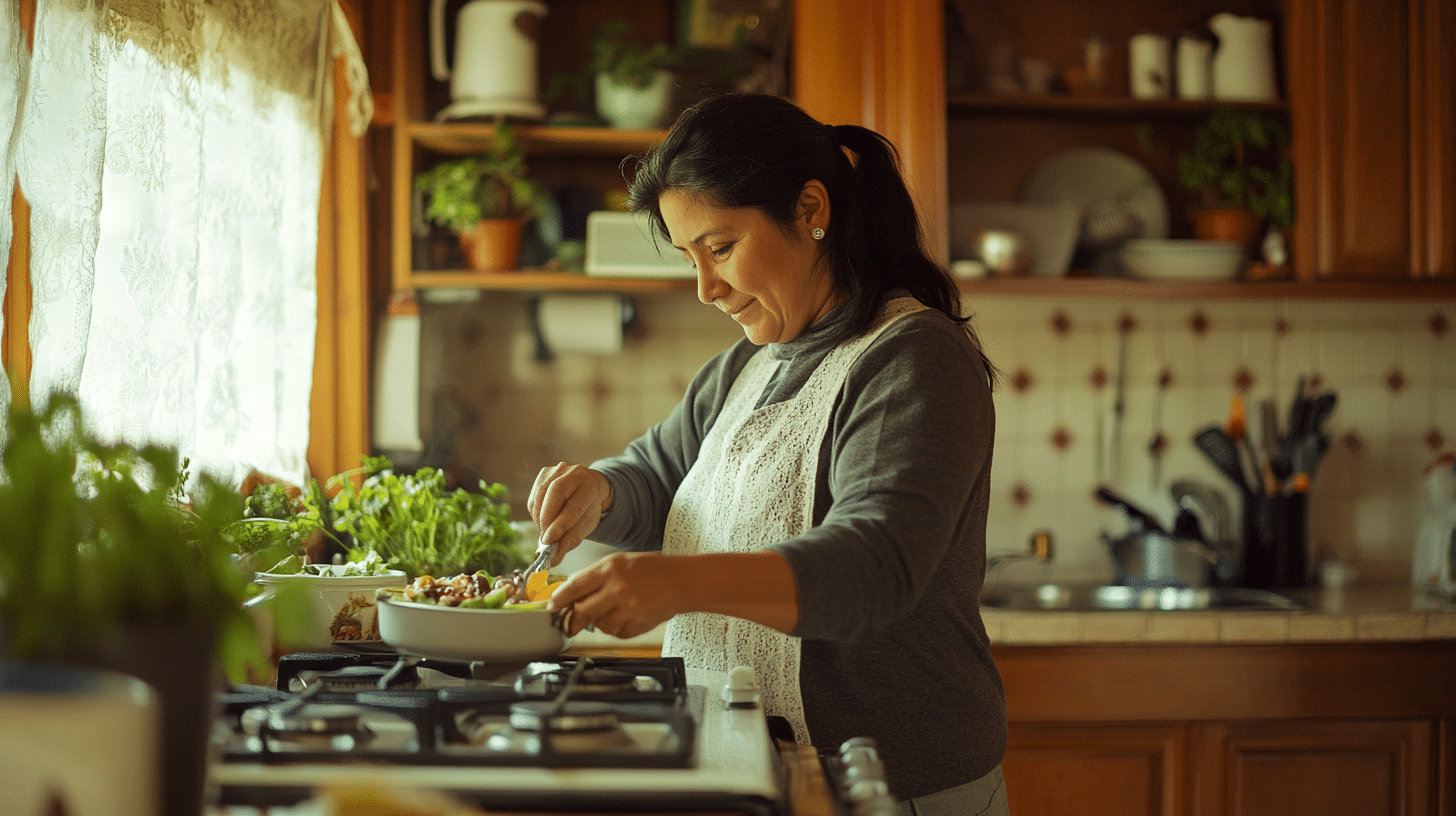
[171, 153]
[14, 59]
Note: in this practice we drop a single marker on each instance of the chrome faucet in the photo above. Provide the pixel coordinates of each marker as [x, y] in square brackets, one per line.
[1039, 549]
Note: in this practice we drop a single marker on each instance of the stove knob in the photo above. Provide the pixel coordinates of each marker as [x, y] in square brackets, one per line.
[741, 690]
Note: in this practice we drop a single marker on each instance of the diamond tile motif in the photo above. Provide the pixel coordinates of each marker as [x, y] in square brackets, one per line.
[1438, 324]
[1098, 377]
[1022, 381]
[1435, 440]
[1020, 494]
[1061, 439]
[1395, 381]
[1061, 324]
[1198, 323]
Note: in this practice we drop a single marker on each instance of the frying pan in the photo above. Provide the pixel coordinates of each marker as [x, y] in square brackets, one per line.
[484, 635]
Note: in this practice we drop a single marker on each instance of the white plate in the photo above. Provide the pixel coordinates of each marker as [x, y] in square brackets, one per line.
[1089, 175]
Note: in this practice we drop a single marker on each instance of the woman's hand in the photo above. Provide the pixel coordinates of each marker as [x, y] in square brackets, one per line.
[626, 594]
[623, 594]
[566, 503]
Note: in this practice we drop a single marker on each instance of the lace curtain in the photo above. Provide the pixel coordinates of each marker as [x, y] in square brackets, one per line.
[14, 64]
[171, 153]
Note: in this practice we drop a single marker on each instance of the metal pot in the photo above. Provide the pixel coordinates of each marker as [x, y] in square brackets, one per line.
[1156, 559]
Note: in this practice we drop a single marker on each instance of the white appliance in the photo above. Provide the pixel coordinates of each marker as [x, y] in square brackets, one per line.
[622, 245]
[1243, 65]
[626, 734]
[495, 58]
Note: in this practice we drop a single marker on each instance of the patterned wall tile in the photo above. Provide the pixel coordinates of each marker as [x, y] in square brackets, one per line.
[1365, 496]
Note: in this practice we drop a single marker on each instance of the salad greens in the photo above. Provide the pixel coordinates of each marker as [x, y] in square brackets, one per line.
[417, 525]
[403, 521]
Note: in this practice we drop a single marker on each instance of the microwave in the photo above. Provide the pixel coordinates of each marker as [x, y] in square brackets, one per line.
[623, 245]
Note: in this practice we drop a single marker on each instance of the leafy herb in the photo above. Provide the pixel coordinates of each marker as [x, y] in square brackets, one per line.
[417, 525]
[97, 537]
[269, 500]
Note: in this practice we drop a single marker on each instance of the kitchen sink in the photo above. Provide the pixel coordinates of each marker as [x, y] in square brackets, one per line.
[1107, 598]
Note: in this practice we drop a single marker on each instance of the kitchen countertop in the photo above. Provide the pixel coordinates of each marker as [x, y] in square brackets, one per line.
[1355, 613]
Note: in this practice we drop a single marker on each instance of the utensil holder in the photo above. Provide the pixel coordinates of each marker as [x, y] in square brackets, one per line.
[1276, 541]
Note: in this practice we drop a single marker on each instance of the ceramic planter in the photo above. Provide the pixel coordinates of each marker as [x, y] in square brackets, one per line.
[624, 106]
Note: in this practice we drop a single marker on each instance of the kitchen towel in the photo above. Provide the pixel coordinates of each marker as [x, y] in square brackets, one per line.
[588, 324]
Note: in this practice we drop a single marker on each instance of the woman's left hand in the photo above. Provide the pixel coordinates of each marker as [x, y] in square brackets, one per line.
[623, 594]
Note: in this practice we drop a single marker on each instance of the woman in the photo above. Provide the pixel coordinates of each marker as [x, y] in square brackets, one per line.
[815, 507]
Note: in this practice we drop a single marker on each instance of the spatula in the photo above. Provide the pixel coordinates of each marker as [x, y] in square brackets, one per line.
[1223, 452]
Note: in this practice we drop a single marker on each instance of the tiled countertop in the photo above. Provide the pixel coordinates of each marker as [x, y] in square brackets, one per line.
[1356, 613]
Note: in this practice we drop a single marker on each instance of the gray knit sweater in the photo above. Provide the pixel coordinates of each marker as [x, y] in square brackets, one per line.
[889, 575]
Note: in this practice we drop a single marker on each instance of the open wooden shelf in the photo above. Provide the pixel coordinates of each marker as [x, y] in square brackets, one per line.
[462, 138]
[1071, 287]
[1118, 106]
[546, 281]
[1130, 289]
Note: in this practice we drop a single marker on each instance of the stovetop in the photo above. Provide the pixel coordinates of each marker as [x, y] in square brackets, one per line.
[570, 733]
[571, 713]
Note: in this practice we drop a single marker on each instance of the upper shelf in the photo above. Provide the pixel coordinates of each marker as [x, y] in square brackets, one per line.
[460, 138]
[1072, 287]
[1116, 106]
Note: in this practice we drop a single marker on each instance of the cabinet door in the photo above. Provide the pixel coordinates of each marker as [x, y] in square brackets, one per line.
[1371, 83]
[1092, 770]
[1356, 768]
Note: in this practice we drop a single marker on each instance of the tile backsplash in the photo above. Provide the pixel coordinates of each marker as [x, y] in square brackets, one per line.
[492, 409]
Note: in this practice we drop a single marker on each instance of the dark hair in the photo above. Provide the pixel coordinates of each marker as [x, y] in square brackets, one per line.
[756, 150]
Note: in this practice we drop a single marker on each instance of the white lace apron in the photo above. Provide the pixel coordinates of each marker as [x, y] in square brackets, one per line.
[752, 486]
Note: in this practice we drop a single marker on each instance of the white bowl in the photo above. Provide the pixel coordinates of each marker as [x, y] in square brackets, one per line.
[1173, 259]
[486, 635]
[340, 608]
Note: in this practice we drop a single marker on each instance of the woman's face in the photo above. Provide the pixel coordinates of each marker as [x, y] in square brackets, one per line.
[772, 282]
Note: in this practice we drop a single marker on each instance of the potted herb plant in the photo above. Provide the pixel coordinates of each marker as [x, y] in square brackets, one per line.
[632, 82]
[107, 562]
[1240, 172]
[486, 199]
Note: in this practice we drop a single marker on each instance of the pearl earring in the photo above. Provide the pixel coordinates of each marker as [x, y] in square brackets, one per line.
[818, 233]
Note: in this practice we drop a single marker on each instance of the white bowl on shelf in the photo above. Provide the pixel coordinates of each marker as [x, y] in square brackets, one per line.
[1182, 259]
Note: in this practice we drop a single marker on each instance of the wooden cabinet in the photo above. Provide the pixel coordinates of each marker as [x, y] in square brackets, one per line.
[1372, 88]
[1235, 730]
[1094, 770]
[1332, 768]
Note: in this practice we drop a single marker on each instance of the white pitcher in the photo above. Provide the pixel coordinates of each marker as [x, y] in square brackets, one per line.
[1243, 66]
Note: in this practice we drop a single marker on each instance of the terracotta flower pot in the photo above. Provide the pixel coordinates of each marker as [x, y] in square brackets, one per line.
[494, 244]
[1237, 225]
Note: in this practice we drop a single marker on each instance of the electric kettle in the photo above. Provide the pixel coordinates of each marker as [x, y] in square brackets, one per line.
[1243, 65]
[495, 58]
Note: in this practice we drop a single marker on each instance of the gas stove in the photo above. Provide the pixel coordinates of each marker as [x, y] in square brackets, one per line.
[575, 733]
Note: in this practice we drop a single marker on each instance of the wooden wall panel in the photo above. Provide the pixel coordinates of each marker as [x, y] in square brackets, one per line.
[880, 64]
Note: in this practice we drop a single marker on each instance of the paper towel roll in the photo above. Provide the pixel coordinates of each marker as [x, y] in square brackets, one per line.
[590, 324]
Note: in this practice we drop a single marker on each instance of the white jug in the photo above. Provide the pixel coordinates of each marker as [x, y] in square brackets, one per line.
[495, 58]
[1243, 66]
